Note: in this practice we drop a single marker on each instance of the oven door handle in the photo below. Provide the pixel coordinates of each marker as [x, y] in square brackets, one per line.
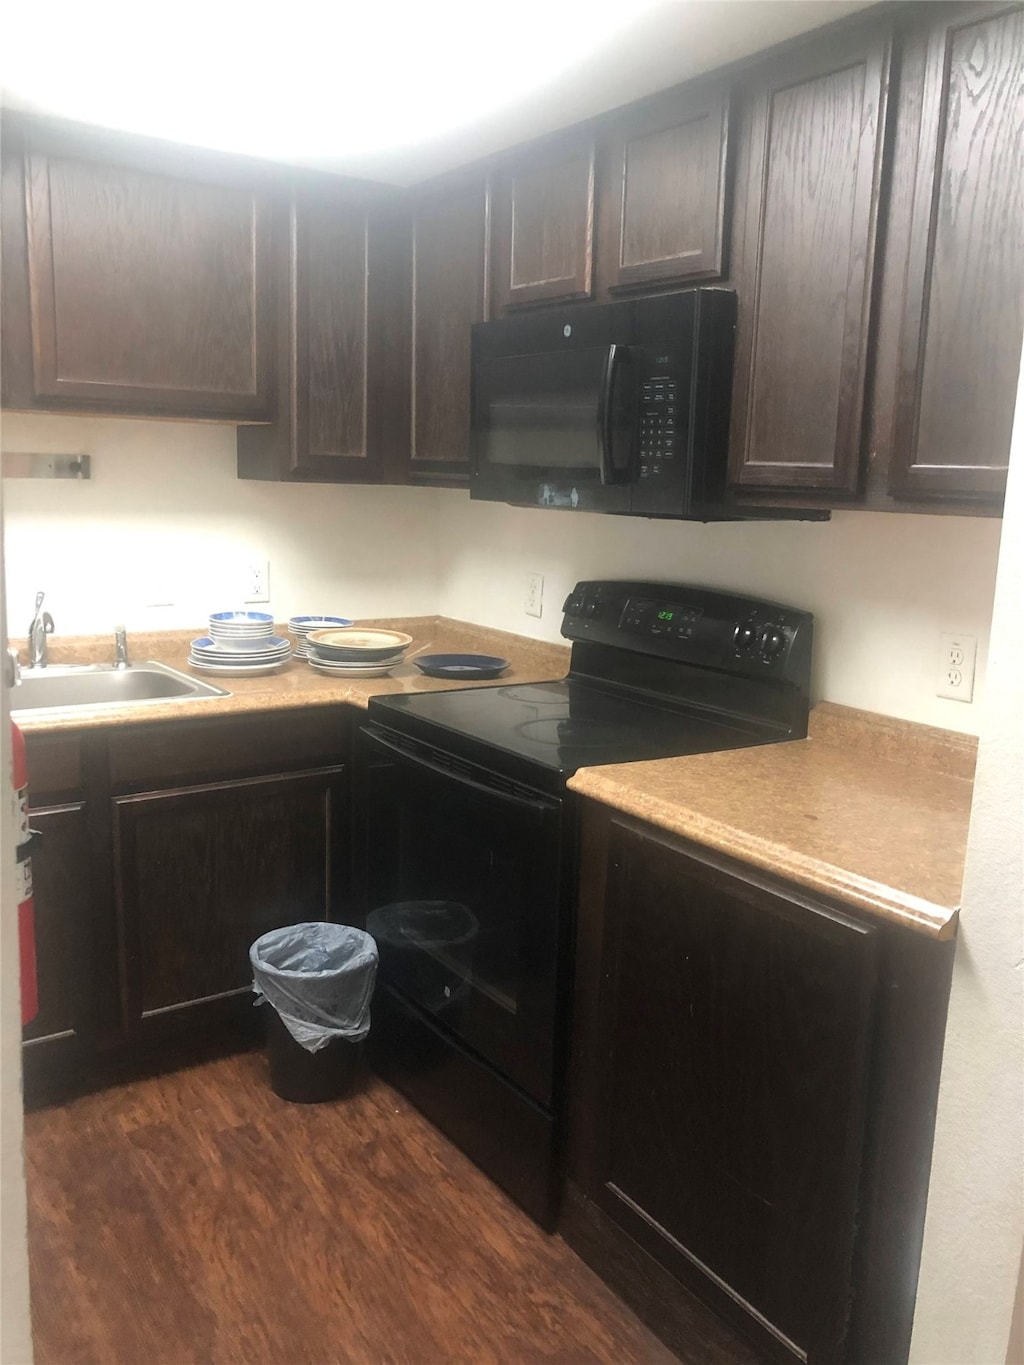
[539, 807]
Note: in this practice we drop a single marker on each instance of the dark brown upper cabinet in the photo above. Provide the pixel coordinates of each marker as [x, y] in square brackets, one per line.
[806, 217]
[958, 255]
[661, 181]
[543, 224]
[448, 294]
[342, 412]
[134, 288]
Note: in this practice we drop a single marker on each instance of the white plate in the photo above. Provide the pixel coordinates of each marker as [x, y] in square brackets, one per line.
[351, 671]
[237, 671]
[302, 625]
[272, 647]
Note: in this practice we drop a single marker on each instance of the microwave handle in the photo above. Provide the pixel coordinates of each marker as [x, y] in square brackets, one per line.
[612, 364]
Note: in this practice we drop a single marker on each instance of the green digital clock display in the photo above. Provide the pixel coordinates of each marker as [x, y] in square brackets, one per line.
[666, 615]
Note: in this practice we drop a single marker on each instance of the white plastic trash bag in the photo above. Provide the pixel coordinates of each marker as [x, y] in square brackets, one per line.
[319, 977]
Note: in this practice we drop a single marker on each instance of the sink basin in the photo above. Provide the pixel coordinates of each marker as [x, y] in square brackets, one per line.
[62, 686]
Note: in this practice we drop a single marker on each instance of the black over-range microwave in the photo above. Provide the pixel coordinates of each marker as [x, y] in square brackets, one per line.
[620, 407]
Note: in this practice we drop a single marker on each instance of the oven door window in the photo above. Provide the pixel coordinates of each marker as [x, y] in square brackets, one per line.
[462, 895]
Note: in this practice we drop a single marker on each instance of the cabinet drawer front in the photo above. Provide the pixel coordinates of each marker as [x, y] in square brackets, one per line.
[805, 270]
[148, 756]
[147, 291]
[963, 316]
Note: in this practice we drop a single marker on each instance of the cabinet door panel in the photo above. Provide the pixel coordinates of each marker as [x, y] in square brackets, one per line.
[963, 316]
[814, 134]
[62, 891]
[147, 291]
[203, 871]
[662, 192]
[544, 226]
[448, 296]
[331, 309]
[733, 1101]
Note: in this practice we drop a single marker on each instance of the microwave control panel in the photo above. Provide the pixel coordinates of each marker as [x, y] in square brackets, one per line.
[660, 421]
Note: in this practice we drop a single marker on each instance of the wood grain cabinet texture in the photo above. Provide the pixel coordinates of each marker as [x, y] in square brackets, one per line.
[134, 289]
[166, 852]
[731, 1099]
[448, 294]
[661, 191]
[341, 410]
[543, 224]
[806, 222]
[959, 254]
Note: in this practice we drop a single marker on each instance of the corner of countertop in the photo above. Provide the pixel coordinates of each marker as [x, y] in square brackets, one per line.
[949, 752]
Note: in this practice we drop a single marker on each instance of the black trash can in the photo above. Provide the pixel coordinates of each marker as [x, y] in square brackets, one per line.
[318, 979]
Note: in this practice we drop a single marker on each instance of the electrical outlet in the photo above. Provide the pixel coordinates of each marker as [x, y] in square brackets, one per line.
[257, 581]
[957, 655]
[534, 603]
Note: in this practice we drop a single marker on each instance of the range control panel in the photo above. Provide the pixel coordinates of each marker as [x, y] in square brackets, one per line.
[739, 635]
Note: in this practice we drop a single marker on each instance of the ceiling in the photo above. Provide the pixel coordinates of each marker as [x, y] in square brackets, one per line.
[397, 93]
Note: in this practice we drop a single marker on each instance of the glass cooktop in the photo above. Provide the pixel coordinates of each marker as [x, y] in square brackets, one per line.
[562, 725]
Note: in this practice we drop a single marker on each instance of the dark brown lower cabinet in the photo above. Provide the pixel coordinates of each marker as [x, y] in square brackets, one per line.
[176, 846]
[202, 872]
[752, 1099]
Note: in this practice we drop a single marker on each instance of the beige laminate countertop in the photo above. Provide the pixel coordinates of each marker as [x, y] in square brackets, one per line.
[296, 685]
[868, 809]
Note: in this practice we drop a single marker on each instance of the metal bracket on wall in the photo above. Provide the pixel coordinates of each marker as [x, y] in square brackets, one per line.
[45, 466]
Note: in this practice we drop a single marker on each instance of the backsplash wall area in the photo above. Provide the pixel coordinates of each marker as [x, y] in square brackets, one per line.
[882, 587]
[164, 520]
[162, 533]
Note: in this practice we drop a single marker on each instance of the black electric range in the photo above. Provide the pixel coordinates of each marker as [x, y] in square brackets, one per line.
[466, 844]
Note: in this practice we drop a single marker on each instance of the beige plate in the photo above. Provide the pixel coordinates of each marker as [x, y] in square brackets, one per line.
[350, 637]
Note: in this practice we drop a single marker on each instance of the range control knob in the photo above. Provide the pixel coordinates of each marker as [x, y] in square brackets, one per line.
[771, 643]
[744, 635]
[571, 605]
[592, 607]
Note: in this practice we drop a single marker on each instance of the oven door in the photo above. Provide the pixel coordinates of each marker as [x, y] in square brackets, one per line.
[463, 892]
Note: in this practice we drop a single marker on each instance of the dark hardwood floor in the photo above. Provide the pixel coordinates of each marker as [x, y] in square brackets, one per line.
[196, 1218]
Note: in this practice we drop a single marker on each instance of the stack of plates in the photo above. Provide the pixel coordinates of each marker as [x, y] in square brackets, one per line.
[241, 644]
[356, 653]
[300, 626]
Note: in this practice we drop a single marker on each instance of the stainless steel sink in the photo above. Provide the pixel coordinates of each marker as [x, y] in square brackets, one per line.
[59, 686]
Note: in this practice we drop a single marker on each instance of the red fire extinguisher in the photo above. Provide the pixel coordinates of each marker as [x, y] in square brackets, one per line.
[26, 911]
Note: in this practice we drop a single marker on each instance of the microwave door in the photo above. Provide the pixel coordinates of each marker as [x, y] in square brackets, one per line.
[541, 412]
[548, 429]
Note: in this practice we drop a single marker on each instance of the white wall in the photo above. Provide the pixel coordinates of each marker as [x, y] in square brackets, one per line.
[165, 520]
[882, 587]
[975, 1223]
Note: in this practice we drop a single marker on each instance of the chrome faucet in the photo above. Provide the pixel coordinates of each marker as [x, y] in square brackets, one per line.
[42, 625]
[121, 648]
